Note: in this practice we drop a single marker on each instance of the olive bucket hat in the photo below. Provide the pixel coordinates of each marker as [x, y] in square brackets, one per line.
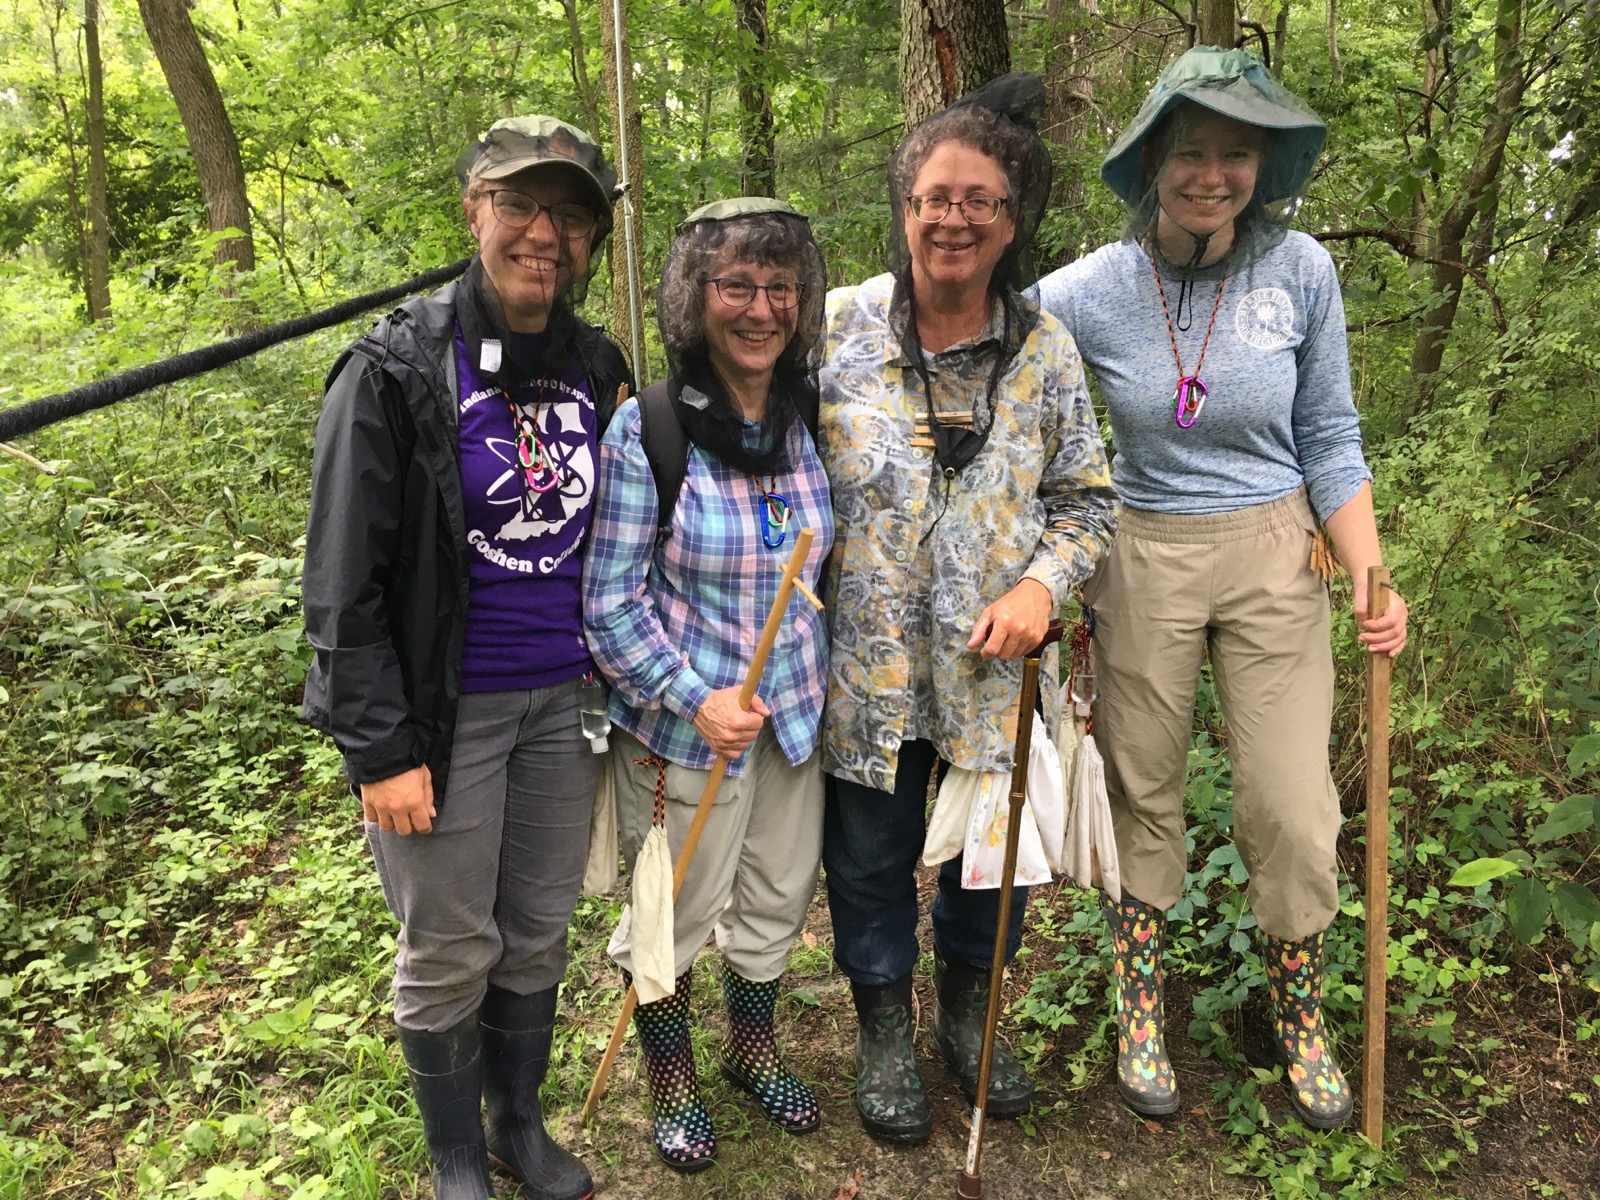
[1235, 84]
[514, 144]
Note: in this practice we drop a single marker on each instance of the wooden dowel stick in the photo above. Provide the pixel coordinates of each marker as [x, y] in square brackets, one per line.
[1375, 1008]
[752, 680]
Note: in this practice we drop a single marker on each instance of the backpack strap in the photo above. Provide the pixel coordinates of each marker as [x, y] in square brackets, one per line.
[666, 449]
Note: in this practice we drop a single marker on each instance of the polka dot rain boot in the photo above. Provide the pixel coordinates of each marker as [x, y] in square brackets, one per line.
[682, 1128]
[1316, 1085]
[1144, 1073]
[750, 1057]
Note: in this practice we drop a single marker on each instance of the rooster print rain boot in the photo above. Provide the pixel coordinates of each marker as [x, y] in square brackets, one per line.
[682, 1128]
[1144, 1073]
[750, 1059]
[1316, 1085]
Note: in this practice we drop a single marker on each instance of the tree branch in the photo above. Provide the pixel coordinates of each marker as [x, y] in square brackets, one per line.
[1404, 247]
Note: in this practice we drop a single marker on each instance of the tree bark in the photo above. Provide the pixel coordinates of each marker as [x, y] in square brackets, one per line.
[1478, 193]
[1280, 37]
[1217, 23]
[627, 117]
[99, 292]
[205, 124]
[947, 48]
[1069, 92]
[1335, 68]
[580, 72]
[760, 174]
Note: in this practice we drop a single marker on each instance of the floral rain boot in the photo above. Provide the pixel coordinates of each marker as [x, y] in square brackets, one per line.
[1316, 1085]
[750, 1058]
[963, 994]
[1144, 1073]
[889, 1094]
[682, 1128]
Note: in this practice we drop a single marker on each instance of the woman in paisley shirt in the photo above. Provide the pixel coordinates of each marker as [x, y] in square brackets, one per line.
[1225, 479]
[971, 494]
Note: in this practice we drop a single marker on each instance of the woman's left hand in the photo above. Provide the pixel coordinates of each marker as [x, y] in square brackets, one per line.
[1385, 634]
[1015, 623]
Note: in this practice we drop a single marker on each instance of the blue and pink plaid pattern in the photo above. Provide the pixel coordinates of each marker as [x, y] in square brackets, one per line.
[670, 624]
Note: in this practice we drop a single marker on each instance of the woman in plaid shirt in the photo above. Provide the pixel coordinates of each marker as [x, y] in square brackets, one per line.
[673, 611]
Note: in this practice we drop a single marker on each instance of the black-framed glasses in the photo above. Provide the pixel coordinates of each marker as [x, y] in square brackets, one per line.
[977, 210]
[739, 293]
[519, 210]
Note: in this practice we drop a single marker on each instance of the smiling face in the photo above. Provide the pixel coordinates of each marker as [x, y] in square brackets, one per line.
[1209, 175]
[743, 344]
[955, 258]
[532, 267]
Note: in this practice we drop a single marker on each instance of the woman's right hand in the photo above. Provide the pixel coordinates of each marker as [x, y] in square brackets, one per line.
[727, 728]
[402, 803]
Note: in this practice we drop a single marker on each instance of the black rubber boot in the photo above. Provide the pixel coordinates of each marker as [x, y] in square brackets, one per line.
[963, 998]
[889, 1094]
[516, 1053]
[447, 1079]
[1316, 1084]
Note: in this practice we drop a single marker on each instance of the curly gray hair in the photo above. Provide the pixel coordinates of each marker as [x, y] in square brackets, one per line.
[766, 239]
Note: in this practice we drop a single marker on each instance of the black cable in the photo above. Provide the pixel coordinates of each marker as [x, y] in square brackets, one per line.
[36, 414]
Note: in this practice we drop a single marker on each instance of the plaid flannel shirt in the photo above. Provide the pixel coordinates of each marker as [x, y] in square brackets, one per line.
[669, 624]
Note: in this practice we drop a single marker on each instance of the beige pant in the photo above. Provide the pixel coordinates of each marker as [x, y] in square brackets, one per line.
[755, 868]
[1236, 584]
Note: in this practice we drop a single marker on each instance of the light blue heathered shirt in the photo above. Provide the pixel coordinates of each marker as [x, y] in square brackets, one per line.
[1279, 414]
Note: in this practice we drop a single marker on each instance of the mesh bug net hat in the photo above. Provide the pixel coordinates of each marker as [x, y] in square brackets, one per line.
[1001, 118]
[1234, 84]
[713, 238]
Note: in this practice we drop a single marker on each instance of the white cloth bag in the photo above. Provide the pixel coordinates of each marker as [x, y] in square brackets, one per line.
[1090, 851]
[600, 871]
[647, 920]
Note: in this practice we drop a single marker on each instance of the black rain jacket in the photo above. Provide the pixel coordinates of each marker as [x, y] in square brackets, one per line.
[386, 572]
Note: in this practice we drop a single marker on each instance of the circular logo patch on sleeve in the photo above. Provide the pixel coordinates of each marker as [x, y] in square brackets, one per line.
[1265, 318]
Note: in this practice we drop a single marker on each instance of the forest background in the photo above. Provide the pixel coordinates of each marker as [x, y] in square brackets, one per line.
[194, 956]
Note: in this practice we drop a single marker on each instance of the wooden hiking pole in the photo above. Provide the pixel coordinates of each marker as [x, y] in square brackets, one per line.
[769, 633]
[970, 1184]
[1376, 995]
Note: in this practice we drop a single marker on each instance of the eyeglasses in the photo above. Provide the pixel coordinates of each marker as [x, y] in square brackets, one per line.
[977, 210]
[516, 210]
[739, 293]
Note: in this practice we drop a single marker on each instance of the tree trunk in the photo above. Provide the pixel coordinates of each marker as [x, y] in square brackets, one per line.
[1478, 193]
[1069, 93]
[99, 293]
[947, 48]
[1280, 37]
[580, 72]
[626, 119]
[760, 175]
[1335, 69]
[1217, 25]
[74, 172]
[205, 124]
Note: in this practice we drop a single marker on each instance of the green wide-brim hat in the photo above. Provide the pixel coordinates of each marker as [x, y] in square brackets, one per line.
[740, 206]
[1235, 84]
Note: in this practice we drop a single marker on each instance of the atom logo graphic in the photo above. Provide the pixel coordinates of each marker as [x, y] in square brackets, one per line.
[535, 514]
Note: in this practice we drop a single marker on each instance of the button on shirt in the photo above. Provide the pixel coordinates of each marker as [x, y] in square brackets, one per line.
[918, 556]
[671, 623]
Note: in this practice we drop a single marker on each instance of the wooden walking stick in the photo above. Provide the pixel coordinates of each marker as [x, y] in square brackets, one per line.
[780, 605]
[1376, 996]
[970, 1185]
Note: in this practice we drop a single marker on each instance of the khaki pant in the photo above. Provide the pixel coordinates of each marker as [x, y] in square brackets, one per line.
[755, 868]
[1236, 584]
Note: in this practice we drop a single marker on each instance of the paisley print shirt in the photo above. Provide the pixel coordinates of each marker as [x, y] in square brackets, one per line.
[917, 557]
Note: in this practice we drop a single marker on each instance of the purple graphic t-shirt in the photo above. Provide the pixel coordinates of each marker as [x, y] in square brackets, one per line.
[524, 618]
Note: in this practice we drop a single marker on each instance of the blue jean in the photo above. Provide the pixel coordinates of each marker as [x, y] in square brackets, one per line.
[487, 896]
[871, 841]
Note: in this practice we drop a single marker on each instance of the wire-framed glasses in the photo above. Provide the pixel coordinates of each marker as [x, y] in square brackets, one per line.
[740, 293]
[517, 210]
[977, 210]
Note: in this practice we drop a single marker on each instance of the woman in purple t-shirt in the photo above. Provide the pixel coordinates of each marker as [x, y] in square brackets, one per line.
[451, 500]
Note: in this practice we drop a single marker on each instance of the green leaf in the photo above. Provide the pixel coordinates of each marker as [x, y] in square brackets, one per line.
[1571, 815]
[1481, 870]
[1577, 902]
[1585, 753]
[1527, 908]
